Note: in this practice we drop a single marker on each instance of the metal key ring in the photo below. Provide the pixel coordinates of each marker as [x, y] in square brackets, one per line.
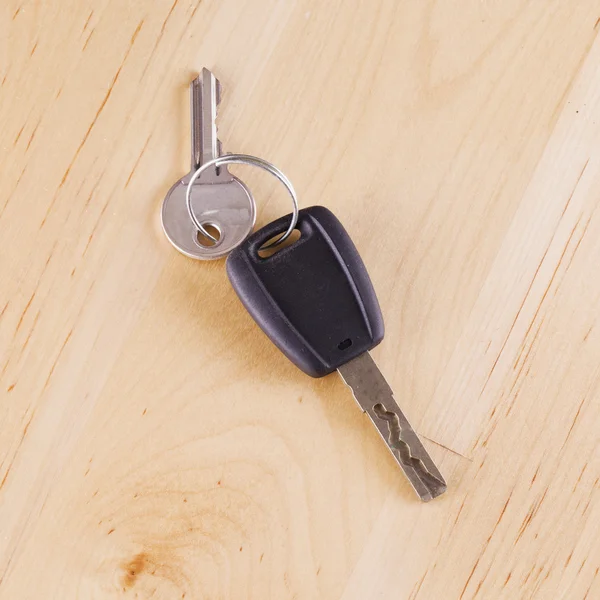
[253, 161]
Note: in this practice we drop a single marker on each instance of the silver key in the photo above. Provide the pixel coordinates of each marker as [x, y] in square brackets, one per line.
[220, 201]
[375, 397]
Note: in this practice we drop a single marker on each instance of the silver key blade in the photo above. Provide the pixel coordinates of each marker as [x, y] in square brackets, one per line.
[375, 397]
[218, 198]
[205, 94]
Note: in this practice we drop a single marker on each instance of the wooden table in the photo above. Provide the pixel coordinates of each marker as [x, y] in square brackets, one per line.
[154, 444]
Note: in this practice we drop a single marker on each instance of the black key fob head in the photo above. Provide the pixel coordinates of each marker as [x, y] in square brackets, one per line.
[313, 298]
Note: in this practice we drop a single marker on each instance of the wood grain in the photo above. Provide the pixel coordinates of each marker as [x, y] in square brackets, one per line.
[153, 444]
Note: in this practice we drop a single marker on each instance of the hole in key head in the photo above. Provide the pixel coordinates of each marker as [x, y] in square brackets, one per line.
[205, 241]
[345, 344]
[292, 239]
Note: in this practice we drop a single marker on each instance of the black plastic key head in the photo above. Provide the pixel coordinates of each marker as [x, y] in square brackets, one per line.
[314, 298]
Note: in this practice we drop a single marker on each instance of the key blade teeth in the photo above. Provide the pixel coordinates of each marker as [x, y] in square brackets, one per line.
[417, 450]
[411, 452]
[211, 90]
[375, 397]
[205, 91]
[218, 91]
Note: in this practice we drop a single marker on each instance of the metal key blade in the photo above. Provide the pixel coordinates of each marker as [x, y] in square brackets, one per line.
[205, 95]
[375, 397]
[218, 198]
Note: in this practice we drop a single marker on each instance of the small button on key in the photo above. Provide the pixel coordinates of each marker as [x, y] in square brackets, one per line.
[315, 301]
[221, 202]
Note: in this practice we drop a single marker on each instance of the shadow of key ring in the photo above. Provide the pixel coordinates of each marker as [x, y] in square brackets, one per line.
[253, 161]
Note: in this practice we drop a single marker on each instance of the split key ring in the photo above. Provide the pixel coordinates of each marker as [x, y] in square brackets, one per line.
[242, 159]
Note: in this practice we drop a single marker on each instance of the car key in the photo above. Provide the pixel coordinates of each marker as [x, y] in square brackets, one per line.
[314, 299]
[220, 201]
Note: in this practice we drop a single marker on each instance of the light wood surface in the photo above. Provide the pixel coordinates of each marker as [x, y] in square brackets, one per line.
[154, 444]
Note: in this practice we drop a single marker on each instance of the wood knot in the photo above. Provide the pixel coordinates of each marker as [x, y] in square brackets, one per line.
[132, 569]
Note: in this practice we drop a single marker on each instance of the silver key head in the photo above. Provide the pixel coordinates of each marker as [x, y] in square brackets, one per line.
[226, 206]
[219, 200]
